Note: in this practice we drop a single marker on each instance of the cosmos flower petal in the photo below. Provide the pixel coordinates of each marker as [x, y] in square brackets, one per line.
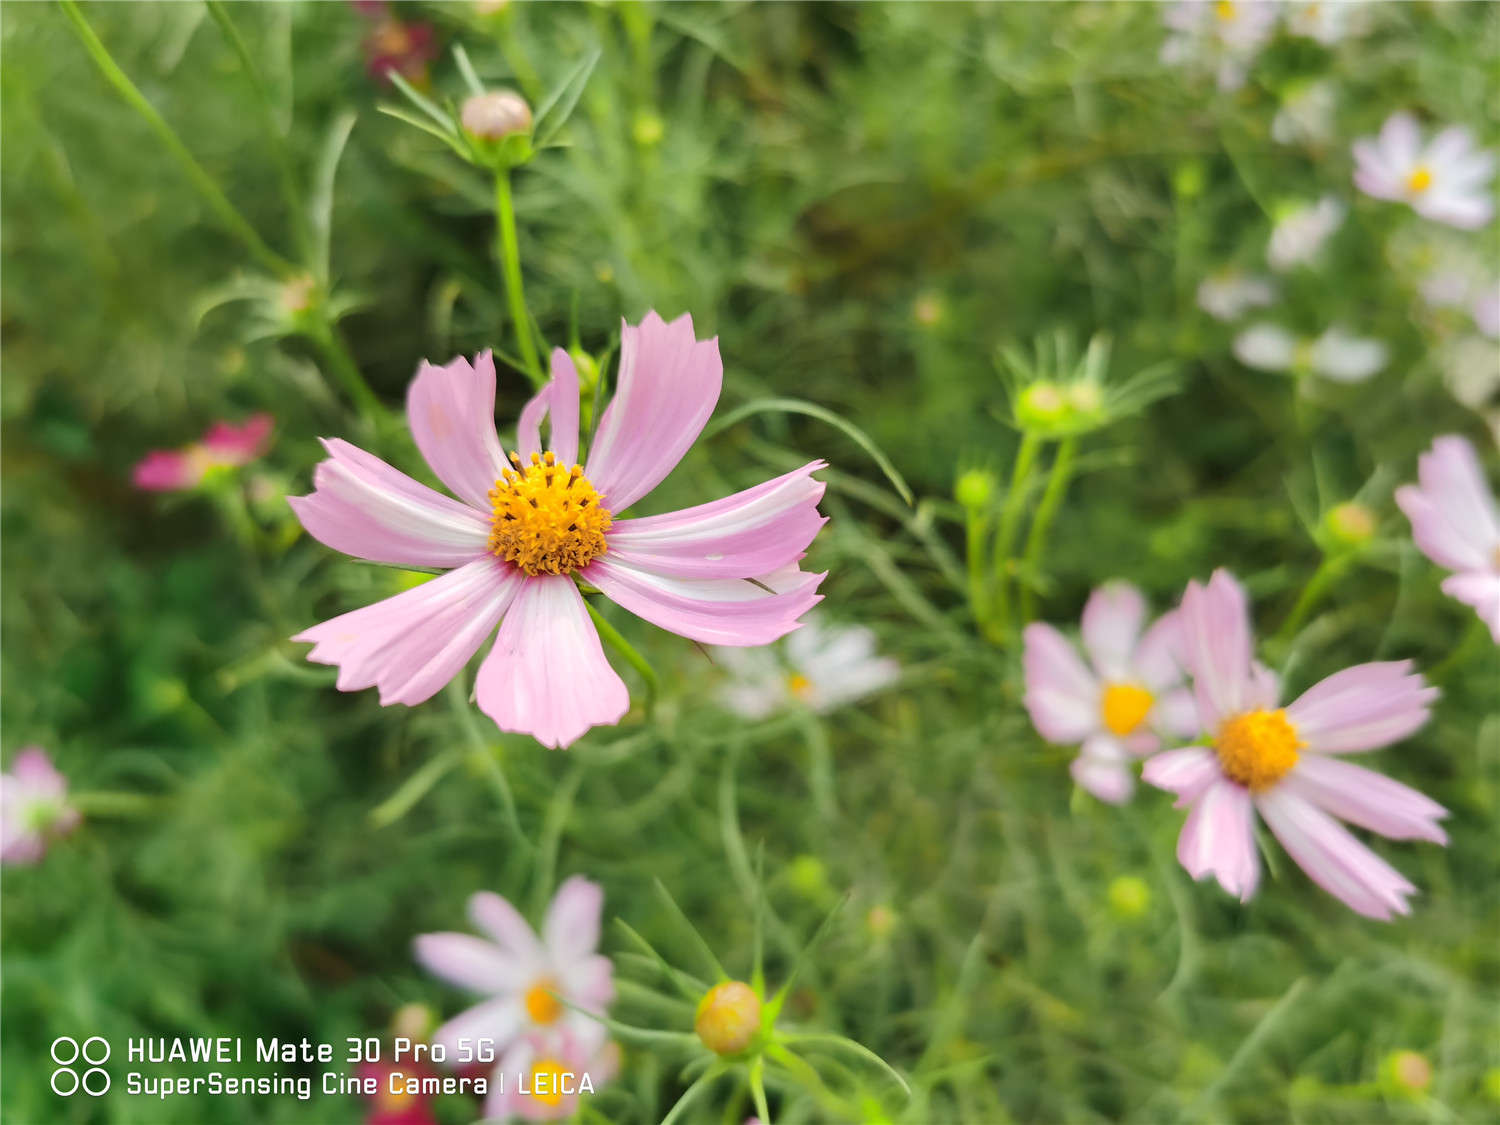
[669, 383]
[591, 983]
[1101, 767]
[1456, 546]
[1062, 695]
[1265, 347]
[1186, 772]
[451, 412]
[229, 444]
[499, 1019]
[412, 644]
[469, 962]
[1157, 660]
[711, 611]
[1216, 646]
[546, 675]
[1480, 589]
[1451, 477]
[752, 532]
[1362, 708]
[1111, 625]
[504, 925]
[1332, 857]
[363, 507]
[559, 401]
[571, 929]
[1176, 713]
[166, 470]
[33, 768]
[1218, 839]
[1366, 798]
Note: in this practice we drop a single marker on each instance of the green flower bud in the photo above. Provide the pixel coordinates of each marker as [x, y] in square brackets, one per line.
[808, 876]
[975, 489]
[881, 921]
[1189, 179]
[1350, 523]
[495, 115]
[1129, 897]
[728, 1017]
[1043, 406]
[648, 130]
[928, 310]
[1405, 1074]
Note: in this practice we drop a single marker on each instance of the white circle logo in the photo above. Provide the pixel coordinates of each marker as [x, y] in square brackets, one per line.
[66, 1051]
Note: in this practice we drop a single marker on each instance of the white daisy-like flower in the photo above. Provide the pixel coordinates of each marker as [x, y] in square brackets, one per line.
[1229, 294]
[1299, 235]
[821, 666]
[1444, 179]
[1336, 355]
[1226, 35]
[1306, 115]
[1327, 21]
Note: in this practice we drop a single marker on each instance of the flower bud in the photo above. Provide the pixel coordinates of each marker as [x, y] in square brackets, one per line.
[881, 921]
[928, 310]
[808, 876]
[1405, 1074]
[414, 1022]
[496, 115]
[1189, 179]
[975, 489]
[1350, 523]
[1043, 406]
[1129, 897]
[728, 1017]
[648, 130]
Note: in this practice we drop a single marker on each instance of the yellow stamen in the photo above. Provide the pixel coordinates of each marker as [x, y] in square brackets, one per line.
[799, 685]
[390, 1099]
[546, 1081]
[548, 517]
[1125, 707]
[542, 1004]
[1258, 748]
[1225, 10]
[1419, 180]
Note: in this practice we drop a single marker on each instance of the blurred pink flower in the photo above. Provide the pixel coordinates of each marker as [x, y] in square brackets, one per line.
[536, 986]
[1119, 704]
[826, 666]
[393, 44]
[34, 807]
[542, 1077]
[722, 573]
[1444, 180]
[1283, 763]
[223, 446]
[1299, 235]
[1456, 523]
[1224, 34]
[397, 1107]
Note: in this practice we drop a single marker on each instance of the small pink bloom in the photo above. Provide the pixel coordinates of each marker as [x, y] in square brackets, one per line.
[535, 986]
[394, 1105]
[34, 807]
[1456, 523]
[223, 446]
[1225, 34]
[721, 573]
[542, 1077]
[1118, 704]
[1283, 764]
[395, 46]
[1444, 179]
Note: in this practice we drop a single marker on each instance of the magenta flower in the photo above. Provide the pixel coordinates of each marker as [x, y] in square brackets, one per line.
[1121, 705]
[34, 807]
[1443, 180]
[723, 573]
[1456, 523]
[1283, 763]
[223, 446]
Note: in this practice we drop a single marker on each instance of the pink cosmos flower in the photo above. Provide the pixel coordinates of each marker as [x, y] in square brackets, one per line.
[394, 1105]
[1456, 523]
[394, 45]
[34, 807]
[722, 573]
[1443, 180]
[544, 1076]
[535, 985]
[1226, 34]
[1122, 704]
[1284, 764]
[223, 446]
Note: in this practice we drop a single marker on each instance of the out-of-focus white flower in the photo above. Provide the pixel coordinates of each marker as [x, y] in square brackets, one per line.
[1300, 234]
[1471, 369]
[1225, 36]
[1327, 21]
[825, 667]
[1486, 309]
[1443, 180]
[1306, 115]
[1336, 354]
[1229, 294]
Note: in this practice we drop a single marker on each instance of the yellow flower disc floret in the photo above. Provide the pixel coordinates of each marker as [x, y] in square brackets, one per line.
[548, 517]
[1258, 748]
[1124, 707]
[541, 1001]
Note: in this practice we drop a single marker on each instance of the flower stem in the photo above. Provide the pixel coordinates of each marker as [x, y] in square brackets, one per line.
[331, 343]
[510, 267]
[1010, 518]
[1329, 569]
[977, 534]
[233, 221]
[1041, 524]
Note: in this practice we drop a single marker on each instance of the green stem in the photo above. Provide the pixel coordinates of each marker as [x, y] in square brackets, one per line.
[612, 637]
[331, 343]
[1010, 517]
[510, 267]
[233, 221]
[1329, 569]
[977, 531]
[1041, 524]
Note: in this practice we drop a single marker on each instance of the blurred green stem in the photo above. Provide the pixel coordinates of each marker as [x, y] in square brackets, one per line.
[1010, 518]
[331, 343]
[1046, 512]
[977, 535]
[1329, 569]
[233, 221]
[510, 267]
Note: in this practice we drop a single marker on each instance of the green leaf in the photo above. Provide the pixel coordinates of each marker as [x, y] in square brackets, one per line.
[421, 101]
[466, 69]
[320, 205]
[560, 102]
[412, 790]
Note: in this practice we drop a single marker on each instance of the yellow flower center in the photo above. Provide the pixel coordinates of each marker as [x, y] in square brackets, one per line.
[546, 1081]
[548, 517]
[1257, 748]
[799, 685]
[1419, 180]
[392, 1098]
[1125, 707]
[542, 1004]
[1225, 10]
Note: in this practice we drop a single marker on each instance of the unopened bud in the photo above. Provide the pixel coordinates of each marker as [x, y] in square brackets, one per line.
[1351, 523]
[1042, 406]
[1129, 897]
[881, 921]
[928, 310]
[297, 294]
[808, 876]
[496, 115]
[975, 488]
[648, 130]
[728, 1017]
[1406, 1073]
[1085, 396]
[414, 1022]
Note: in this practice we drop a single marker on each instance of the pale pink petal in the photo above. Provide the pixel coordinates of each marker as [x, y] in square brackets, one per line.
[1111, 625]
[1454, 483]
[470, 962]
[1157, 660]
[365, 508]
[412, 644]
[1480, 589]
[451, 412]
[1400, 139]
[228, 444]
[499, 1019]
[1464, 210]
[1217, 646]
[715, 611]
[668, 385]
[1332, 857]
[1362, 708]
[559, 401]
[571, 929]
[752, 532]
[1187, 772]
[1176, 713]
[547, 675]
[590, 983]
[1449, 145]
[1263, 692]
[33, 768]
[1062, 695]
[167, 470]
[1218, 839]
[1454, 546]
[505, 926]
[1101, 767]
[1366, 798]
